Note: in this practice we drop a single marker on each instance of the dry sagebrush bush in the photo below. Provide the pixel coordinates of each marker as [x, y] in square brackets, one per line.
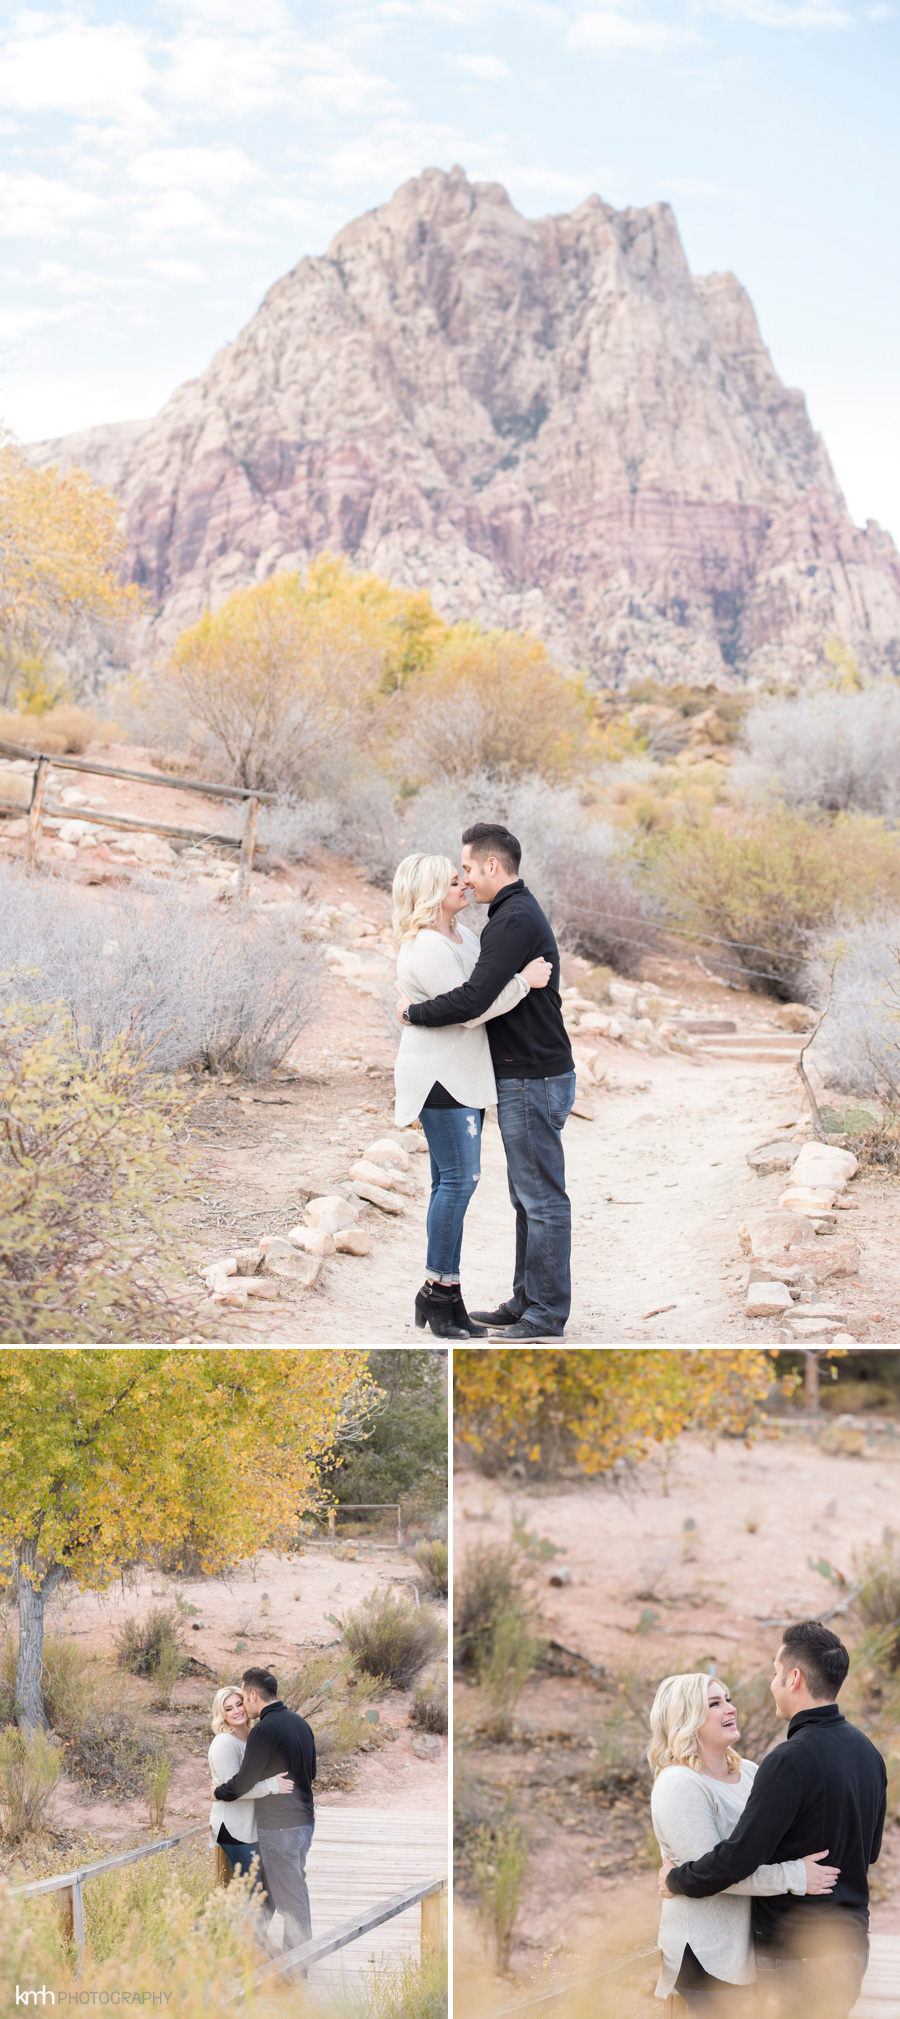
[430, 1710]
[88, 1173]
[392, 1640]
[493, 700]
[190, 985]
[838, 751]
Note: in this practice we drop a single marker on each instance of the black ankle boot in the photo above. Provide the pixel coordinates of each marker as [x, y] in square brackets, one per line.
[435, 1306]
[462, 1319]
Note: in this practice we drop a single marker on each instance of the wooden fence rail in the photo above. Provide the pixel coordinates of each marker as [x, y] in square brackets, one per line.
[99, 816]
[72, 1883]
[428, 1892]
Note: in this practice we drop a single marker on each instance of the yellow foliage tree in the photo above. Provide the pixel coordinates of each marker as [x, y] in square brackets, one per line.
[60, 549]
[108, 1457]
[289, 676]
[494, 701]
[602, 1406]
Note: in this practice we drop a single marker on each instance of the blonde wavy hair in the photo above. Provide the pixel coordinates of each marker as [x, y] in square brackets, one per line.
[418, 890]
[680, 1707]
[217, 1714]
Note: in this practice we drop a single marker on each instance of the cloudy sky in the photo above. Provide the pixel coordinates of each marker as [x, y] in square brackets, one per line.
[162, 165]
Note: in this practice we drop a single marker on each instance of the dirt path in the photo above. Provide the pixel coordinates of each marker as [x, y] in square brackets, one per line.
[659, 1184]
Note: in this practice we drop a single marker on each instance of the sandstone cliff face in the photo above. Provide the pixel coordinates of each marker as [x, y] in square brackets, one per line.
[547, 424]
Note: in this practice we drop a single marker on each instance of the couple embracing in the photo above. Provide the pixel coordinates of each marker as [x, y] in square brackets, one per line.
[765, 1869]
[483, 1027]
[263, 1765]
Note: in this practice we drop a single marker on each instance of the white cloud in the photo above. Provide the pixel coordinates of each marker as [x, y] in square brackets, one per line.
[69, 65]
[880, 12]
[219, 76]
[219, 169]
[39, 206]
[489, 68]
[782, 13]
[608, 32]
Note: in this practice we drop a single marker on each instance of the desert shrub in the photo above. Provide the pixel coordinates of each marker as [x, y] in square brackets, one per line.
[29, 1771]
[405, 1988]
[356, 818]
[430, 1710]
[838, 751]
[493, 700]
[433, 1559]
[489, 1585]
[338, 1702]
[392, 1640]
[157, 1780]
[860, 1036]
[190, 985]
[112, 1749]
[68, 1682]
[506, 1660]
[499, 1864]
[772, 885]
[88, 1174]
[60, 731]
[141, 1644]
[595, 894]
[879, 1598]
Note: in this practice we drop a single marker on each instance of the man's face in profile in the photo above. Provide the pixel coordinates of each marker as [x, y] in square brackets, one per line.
[478, 877]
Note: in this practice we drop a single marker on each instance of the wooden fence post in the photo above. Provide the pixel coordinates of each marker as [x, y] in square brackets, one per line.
[248, 844]
[72, 1915]
[223, 1868]
[35, 811]
[431, 1925]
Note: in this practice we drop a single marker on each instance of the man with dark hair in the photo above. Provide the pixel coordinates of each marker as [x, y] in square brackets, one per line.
[823, 1790]
[535, 1074]
[280, 1742]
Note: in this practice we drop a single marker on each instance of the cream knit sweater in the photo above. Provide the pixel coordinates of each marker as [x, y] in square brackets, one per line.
[225, 1756]
[691, 1815]
[459, 1056]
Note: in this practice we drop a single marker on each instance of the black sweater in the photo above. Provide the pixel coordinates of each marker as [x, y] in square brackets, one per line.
[280, 1743]
[529, 1042]
[824, 1789]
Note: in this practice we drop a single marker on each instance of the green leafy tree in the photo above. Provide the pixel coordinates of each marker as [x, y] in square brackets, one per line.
[403, 1455]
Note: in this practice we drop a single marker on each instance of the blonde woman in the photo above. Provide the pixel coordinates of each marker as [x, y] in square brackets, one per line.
[233, 1824]
[700, 1789]
[445, 1077]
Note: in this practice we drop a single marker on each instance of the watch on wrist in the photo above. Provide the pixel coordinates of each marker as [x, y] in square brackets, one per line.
[406, 1016]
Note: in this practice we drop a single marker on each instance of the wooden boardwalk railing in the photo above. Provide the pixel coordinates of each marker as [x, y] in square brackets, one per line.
[102, 817]
[428, 1893]
[72, 1883]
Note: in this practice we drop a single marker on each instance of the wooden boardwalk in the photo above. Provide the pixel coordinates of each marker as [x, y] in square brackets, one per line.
[362, 1856]
[881, 1988]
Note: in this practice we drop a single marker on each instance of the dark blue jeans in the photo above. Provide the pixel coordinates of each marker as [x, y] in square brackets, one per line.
[453, 1136]
[532, 1115]
[244, 1858]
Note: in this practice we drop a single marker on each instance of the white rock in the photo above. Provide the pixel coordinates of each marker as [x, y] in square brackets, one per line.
[368, 1173]
[353, 1241]
[776, 1155]
[331, 1212]
[597, 1024]
[387, 1152]
[767, 1300]
[824, 1164]
[302, 1269]
[224, 1266]
[765, 1234]
[375, 1195]
[801, 1199]
[413, 1140]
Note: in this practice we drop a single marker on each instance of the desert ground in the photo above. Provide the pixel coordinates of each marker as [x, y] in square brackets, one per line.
[692, 1558]
[277, 1608]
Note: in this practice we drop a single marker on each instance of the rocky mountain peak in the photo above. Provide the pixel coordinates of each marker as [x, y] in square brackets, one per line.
[549, 423]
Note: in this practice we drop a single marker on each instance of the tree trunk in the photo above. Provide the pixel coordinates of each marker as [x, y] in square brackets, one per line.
[30, 1713]
[811, 1380]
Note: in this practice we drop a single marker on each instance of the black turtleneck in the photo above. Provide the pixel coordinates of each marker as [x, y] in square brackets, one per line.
[824, 1789]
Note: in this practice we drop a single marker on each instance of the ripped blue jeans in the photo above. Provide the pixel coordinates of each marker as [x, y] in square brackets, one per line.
[453, 1136]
